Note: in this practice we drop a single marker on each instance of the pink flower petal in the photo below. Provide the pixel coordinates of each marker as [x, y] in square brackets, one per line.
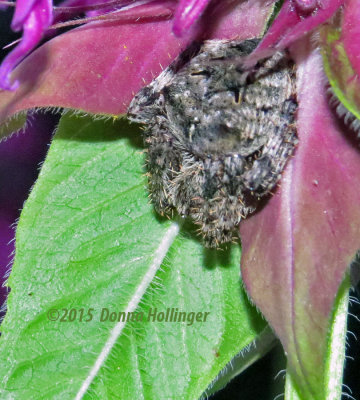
[34, 25]
[82, 3]
[22, 11]
[31, 37]
[187, 12]
[306, 5]
[284, 22]
[327, 10]
[297, 248]
[291, 24]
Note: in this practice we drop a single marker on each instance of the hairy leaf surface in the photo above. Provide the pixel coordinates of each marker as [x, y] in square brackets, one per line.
[89, 239]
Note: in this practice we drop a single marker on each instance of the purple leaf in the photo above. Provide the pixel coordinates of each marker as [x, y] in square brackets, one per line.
[297, 248]
[100, 66]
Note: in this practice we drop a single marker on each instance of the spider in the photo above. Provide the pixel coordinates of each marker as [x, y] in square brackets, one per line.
[218, 134]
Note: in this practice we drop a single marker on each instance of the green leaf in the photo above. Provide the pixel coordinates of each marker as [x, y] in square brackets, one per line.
[89, 239]
[257, 349]
[13, 124]
[291, 391]
[335, 356]
[338, 68]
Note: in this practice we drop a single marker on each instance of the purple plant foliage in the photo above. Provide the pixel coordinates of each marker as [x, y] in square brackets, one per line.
[35, 16]
[296, 18]
[105, 83]
[298, 247]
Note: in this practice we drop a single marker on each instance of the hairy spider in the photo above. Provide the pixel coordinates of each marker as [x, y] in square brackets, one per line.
[218, 134]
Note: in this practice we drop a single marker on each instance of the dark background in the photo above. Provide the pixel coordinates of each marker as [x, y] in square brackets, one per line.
[20, 159]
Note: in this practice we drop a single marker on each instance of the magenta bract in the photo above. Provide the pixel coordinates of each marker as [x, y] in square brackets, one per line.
[114, 59]
[298, 247]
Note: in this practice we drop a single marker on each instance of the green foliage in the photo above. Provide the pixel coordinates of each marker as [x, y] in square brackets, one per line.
[339, 70]
[335, 357]
[13, 124]
[89, 239]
